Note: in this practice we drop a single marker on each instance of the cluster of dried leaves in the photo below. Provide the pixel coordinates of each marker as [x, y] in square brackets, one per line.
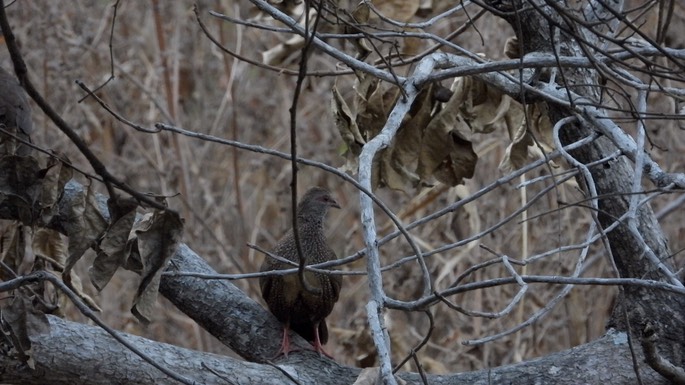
[434, 142]
[52, 236]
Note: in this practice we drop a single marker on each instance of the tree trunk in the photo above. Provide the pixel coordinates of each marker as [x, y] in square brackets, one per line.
[661, 310]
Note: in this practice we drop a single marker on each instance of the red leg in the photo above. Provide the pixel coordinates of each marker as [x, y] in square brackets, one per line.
[285, 343]
[317, 343]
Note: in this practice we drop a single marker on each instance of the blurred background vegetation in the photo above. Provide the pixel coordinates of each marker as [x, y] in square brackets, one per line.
[166, 70]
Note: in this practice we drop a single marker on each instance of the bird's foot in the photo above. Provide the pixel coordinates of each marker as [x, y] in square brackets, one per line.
[319, 349]
[317, 343]
[285, 345]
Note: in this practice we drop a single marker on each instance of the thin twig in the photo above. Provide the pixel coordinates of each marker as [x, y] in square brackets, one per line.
[39, 276]
[22, 73]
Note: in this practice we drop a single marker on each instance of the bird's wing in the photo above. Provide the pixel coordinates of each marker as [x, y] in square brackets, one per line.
[265, 284]
[335, 280]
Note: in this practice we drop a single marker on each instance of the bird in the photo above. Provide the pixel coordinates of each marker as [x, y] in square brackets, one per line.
[298, 309]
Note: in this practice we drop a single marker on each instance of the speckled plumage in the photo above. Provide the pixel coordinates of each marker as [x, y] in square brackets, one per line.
[300, 310]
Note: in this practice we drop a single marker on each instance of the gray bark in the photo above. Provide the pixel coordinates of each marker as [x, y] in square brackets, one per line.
[74, 353]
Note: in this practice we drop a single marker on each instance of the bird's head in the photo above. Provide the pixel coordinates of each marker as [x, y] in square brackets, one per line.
[315, 203]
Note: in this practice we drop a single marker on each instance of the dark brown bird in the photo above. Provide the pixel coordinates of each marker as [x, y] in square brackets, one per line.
[298, 309]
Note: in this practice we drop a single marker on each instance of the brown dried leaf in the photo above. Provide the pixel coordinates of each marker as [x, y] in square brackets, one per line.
[428, 144]
[364, 119]
[346, 123]
[412, 128]
[446, 154]
[360, 16]
[17, 249]
[541, 125]
[24, 321]
[398, 168]
[480, 106]
[51, 246]
[372, 103]
[84, 224]
[385, 172]
[112, 248]
[56, 176]
[512, 48]
[74, 283]
[20, 185]
[12, 252]
[516, 154]
[361, 13]
[523, 149]
[459, 161]
[158, 237]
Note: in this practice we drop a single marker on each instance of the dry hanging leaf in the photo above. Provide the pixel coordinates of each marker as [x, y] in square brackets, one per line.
[20, 185]
[426, 146]
[74, 282]
[84, 225]
[24, 321]
[50, 246]
[51, 251]
[483, 107]
[541, 126]
[360, 16]
[372, 104]
[17, 250]
[512, 48]
[516, 154]
[362, 121]
[56, 176]
[480, 106]
[157, 238]
[446, 154]
[523, 148]
[346, 123]
[112, 248]
[398, 168]
[12, 252]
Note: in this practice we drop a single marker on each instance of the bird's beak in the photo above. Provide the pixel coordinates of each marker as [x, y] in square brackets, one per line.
[334, 204]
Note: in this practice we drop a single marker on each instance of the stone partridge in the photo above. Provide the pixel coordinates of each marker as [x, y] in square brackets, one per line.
[297, 308]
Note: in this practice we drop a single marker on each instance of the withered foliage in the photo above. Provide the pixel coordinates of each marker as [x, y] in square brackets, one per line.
[50, 223]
